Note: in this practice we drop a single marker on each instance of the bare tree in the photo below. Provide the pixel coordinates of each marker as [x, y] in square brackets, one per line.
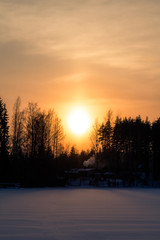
[49, 130]
[58, 136]
[31, 126]
[17, 128]
[94, 136]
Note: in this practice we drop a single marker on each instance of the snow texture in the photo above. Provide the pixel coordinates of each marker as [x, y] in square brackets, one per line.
[79, 214]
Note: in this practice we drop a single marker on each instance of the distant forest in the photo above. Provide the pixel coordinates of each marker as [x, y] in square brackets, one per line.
[32, 152]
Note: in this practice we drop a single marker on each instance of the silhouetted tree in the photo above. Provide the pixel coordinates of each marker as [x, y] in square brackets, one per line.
[73, 158]
[155, 164]
[132, 140]
[31, 129]
[17, 129]
[94, 138]
[57, 136]
[105, 132]
[4, 139]
[49, 131]
[117, 135]
[4, 130]
[142, 142]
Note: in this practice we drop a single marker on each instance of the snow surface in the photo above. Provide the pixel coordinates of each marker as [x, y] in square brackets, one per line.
[79, 214]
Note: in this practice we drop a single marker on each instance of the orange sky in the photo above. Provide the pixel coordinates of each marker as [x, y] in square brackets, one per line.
[100, 54]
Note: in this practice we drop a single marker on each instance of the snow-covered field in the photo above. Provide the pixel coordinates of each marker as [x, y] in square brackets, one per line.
[79, 214]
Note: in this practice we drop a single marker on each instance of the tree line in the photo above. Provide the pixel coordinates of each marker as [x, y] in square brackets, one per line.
[32, 151]
[128, 147]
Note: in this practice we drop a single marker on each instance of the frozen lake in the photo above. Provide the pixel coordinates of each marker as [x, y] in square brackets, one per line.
[79, 214]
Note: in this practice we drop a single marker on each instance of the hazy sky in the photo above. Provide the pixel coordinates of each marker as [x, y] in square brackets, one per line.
[99, 53]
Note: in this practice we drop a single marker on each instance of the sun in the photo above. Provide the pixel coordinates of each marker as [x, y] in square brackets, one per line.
[79, 121]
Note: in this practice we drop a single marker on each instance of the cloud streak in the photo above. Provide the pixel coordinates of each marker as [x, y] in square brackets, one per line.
[95, 51]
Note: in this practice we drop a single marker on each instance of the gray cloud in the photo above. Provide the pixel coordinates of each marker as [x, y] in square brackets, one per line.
[16, 60]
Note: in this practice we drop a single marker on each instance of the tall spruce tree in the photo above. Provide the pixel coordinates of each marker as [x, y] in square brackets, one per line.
[4, 134]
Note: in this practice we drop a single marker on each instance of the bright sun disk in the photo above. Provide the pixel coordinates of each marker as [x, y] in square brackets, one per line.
[79, 121]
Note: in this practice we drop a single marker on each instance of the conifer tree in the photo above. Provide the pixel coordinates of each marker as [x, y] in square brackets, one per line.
[4, 131]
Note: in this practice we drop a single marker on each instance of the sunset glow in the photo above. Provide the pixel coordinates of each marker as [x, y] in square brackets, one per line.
[103, 53]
